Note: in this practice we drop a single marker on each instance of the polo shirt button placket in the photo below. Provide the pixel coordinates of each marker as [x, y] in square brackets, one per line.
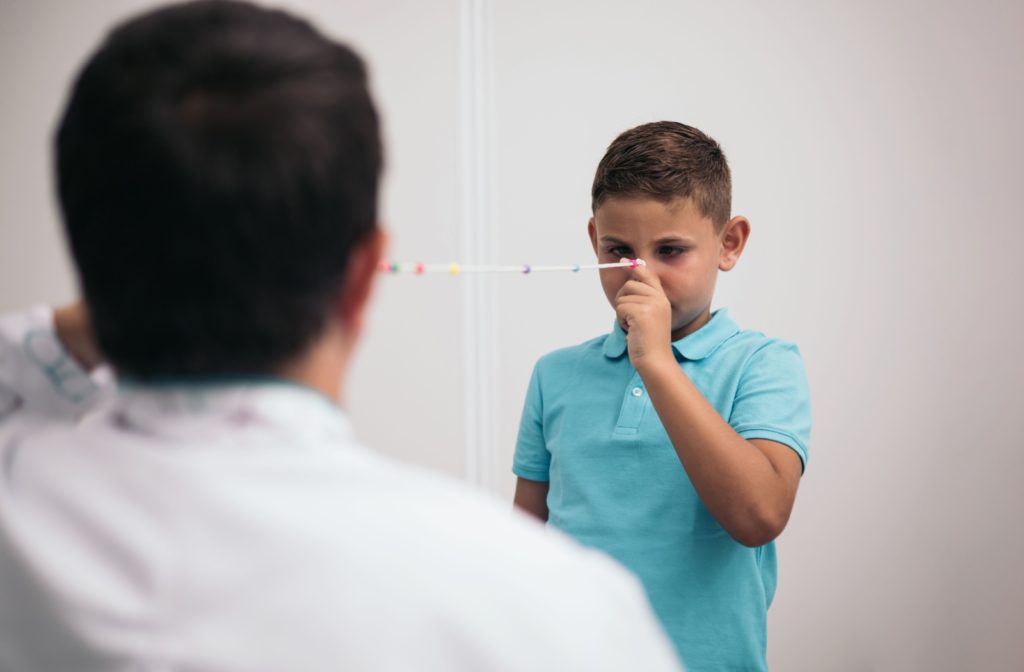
[632, 411]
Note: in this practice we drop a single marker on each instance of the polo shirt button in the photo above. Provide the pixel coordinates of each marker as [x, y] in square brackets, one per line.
[637, 392]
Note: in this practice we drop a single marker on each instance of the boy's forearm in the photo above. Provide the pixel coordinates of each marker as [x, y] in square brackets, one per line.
[735, 480]
[532, 497]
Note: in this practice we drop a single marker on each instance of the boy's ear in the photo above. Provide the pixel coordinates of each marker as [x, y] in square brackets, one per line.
[360, 276]
[592, 232]
[734, 238]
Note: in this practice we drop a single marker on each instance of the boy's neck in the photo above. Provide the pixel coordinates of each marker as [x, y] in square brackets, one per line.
[693, 325]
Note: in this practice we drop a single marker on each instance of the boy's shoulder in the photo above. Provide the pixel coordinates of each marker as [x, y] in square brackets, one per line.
[723, 339]
[574, 352]
[750, 344]
[563, 360]
[750, 355]
[561, 369]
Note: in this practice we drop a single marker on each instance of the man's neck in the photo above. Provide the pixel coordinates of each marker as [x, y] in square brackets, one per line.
[323, 366]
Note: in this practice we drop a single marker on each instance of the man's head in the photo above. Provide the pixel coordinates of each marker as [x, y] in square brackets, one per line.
[217, 166]
[662, 193]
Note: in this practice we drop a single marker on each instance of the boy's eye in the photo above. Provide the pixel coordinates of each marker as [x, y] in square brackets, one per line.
[621, 251]
[670, 251]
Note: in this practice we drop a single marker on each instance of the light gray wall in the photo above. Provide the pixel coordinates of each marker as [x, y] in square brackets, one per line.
[875, 147]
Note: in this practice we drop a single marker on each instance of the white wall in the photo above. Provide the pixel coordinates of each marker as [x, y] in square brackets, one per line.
[875, 147]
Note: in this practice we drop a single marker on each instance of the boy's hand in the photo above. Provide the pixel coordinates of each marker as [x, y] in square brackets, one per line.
[646, 315]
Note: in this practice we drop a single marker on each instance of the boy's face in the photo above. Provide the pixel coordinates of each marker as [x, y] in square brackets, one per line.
[679, 245]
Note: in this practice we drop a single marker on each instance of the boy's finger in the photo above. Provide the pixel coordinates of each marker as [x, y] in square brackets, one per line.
[636, 287]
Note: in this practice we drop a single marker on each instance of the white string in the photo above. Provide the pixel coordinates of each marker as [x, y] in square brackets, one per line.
[417, 268]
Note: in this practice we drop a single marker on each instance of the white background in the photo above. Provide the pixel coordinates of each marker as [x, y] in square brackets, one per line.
[876, 148]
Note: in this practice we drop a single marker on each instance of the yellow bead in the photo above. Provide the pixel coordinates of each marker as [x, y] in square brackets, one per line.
[453, 269]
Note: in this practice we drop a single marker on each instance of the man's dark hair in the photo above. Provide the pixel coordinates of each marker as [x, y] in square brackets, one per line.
[666, 160]
[216, 164]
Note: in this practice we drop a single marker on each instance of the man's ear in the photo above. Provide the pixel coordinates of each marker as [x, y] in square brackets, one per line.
[592, 232]
[360, 276]
[734, 238]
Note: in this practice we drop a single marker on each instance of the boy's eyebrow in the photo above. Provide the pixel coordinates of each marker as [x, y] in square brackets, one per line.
[666, 240]
[674, 239]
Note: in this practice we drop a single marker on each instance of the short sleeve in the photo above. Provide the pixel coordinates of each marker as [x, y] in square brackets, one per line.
[532, 459]
[773, 400]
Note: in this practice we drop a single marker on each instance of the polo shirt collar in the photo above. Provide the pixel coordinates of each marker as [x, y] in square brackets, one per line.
[697, 345]
[615, 342]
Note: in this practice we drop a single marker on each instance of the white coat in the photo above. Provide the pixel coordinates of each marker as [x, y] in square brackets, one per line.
[242, 527]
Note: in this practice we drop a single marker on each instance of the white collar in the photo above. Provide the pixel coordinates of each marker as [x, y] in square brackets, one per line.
[206, 410]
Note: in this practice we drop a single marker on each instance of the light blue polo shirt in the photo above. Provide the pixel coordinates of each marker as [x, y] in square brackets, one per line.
[616, 483]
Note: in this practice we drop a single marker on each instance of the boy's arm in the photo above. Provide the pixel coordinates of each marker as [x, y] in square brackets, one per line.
[748, 486]
[532, 461]
[532, 497]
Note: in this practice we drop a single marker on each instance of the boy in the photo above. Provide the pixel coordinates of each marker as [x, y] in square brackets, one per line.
[218, 169]
[682, 459]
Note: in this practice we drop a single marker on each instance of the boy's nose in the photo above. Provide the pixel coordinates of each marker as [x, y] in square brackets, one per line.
[633, 261]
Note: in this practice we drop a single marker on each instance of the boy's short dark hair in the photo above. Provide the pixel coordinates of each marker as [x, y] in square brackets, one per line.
[216, 164]
[666, 160]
